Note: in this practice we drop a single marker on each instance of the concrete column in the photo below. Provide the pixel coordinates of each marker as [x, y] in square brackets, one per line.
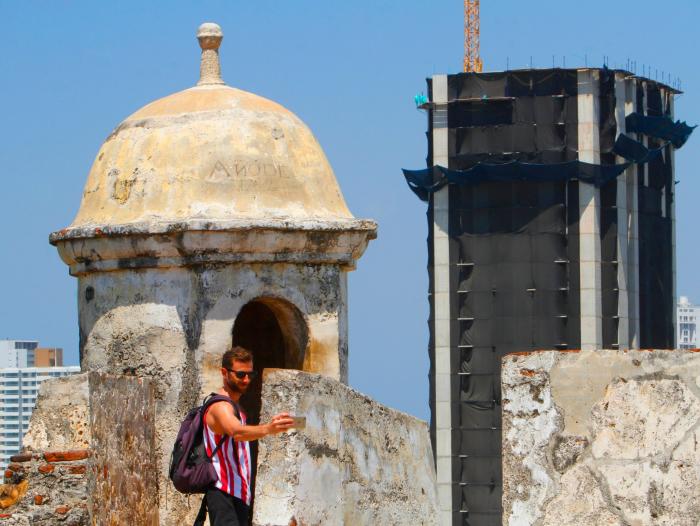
[441, 304]
[623, 274]
[631, 180]
[672, 215]
[644, 167]
[589, 212]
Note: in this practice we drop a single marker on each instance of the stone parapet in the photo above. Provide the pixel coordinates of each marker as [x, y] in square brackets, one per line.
[355, 462]
[60, 418]
[601, 437]
[46, 488]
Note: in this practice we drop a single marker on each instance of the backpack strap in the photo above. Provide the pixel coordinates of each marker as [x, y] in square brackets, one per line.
[214, 397]
[211, 400]
[216, 449]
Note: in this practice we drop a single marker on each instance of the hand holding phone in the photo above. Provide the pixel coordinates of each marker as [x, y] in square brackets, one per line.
[299, 422]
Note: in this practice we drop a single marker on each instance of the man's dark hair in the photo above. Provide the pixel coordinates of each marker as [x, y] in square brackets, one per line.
[238, 353]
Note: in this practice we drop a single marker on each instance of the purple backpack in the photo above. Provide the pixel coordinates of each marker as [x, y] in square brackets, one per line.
[191, 469]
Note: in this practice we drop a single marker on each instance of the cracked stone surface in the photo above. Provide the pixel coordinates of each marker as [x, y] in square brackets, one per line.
[651, 493]
[567, 450]
[579, 501]
[601, 437]
[639, 417]
[356, 462]
[60, 419]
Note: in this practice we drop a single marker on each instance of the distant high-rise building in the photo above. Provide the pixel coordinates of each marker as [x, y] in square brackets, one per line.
[17, 353]
[18, 391]
[23, 366]
[27, 353]
[687, 316]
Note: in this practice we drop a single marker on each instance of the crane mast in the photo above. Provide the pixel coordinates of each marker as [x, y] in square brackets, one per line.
[472, 60]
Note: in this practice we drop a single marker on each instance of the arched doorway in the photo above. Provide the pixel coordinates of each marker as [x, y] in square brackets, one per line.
[276, 333]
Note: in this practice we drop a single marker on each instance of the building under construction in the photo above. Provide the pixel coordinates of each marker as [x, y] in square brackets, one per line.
[551, 226]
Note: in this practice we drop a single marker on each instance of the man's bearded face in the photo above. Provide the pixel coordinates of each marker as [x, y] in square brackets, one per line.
[233, 382]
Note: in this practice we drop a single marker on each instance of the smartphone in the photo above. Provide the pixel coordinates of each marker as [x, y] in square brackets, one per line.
[299, 422]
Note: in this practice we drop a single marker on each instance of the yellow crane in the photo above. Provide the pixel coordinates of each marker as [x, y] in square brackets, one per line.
[472, 60]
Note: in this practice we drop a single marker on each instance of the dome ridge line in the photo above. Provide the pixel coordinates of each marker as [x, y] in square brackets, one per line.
[179, 119]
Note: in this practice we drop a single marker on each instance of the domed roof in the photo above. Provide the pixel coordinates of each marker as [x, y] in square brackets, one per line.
[210, 154]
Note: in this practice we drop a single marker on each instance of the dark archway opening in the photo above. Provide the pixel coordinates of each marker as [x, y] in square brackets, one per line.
[276, 333]
[258, 330]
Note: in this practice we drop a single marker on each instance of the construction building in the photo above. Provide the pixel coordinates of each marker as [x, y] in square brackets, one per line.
[550, 200]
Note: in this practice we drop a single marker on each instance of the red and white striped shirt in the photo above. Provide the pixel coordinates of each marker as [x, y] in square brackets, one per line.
[231, 462]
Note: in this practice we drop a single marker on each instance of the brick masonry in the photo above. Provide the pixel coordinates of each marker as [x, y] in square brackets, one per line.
[46, 488]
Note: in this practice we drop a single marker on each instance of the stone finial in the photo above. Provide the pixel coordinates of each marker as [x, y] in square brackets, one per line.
[210, 37]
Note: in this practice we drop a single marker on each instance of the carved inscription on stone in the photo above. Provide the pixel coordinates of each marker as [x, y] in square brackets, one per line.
[248, 176]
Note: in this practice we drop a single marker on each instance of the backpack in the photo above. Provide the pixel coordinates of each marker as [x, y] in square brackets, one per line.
[191, 469]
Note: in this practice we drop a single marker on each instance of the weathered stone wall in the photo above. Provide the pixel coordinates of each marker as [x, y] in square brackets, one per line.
[601, 437]
[60, 419]
[356, 462]
[123, 485]
[171, 326]
[44, 489]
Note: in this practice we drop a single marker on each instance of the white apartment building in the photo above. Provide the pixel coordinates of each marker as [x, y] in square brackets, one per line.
[19, 386]
[18, 391]
[17, 353]
[687, 316]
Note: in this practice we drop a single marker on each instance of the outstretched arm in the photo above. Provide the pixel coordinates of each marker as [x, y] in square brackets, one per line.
[223, 421]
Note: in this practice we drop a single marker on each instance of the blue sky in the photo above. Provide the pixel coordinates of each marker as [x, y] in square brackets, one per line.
[71, 71]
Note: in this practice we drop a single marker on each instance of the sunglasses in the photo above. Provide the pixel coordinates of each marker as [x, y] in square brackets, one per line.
[242, 374]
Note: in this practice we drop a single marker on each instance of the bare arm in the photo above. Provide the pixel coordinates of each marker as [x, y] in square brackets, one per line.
[223, 421]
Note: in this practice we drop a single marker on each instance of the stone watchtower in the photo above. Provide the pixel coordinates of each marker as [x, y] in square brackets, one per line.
[210, 217]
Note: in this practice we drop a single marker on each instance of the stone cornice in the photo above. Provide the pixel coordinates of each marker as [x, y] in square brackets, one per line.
[108, 248]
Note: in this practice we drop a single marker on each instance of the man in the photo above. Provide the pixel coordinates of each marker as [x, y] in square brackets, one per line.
[228, 502]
